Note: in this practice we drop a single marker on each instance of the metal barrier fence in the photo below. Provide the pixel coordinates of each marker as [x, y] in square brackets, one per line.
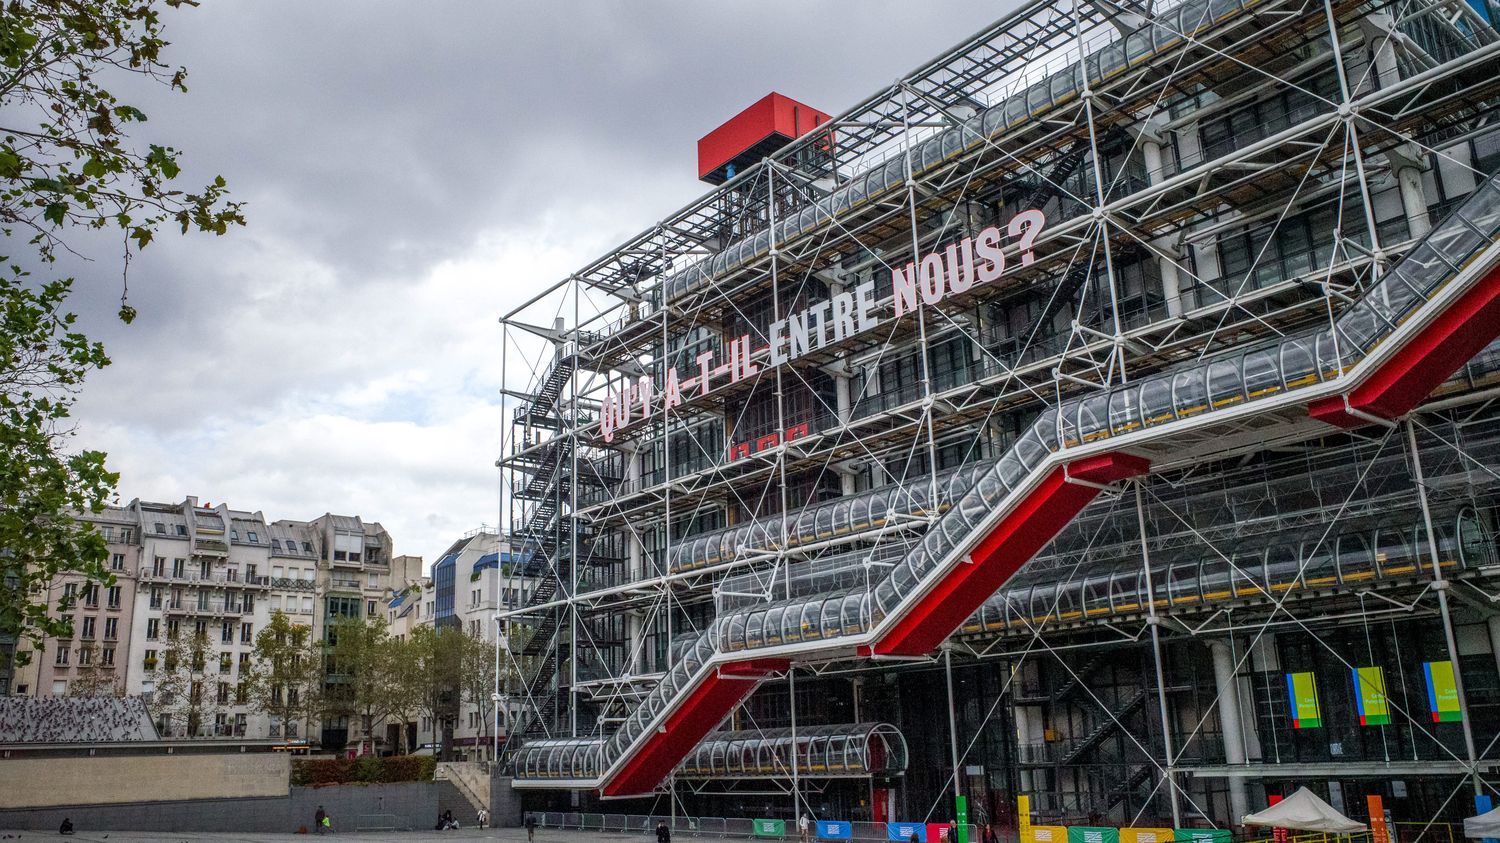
[705, 827]
[741, 828]
[379, 822]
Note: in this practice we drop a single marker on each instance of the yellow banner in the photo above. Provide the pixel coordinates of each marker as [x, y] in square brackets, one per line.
[1049, 834]
[1146, 835]
[1023, 817]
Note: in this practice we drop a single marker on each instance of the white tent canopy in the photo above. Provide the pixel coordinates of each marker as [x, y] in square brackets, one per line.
[1304, 811]
[1484, 825]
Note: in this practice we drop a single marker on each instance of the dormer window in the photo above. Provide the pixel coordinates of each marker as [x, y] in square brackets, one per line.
[254, 539]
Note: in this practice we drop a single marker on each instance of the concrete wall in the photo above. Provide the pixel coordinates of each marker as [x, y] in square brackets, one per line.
[412, 805]
[505, 803]
[43, 782]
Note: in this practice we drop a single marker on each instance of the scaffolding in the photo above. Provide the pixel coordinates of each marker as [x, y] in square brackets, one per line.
[1106, 329]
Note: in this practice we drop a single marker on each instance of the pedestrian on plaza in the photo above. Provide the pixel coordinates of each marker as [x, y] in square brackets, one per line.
[531, 827]
[320, 821]
[663, 834]
[804, 828]
[989, 835]
[66, 827]
[484, 817]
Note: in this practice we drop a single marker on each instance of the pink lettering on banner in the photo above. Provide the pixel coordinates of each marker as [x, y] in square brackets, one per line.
[956, 268]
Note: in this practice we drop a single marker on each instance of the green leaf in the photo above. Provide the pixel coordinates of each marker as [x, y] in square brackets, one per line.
[94, 168]
[56, 213]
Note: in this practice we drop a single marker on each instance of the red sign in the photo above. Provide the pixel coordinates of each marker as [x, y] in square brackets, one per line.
[740, 450]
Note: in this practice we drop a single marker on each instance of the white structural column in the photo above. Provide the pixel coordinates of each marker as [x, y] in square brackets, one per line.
[1405, 159]
[1167, 246]
[1226, 687]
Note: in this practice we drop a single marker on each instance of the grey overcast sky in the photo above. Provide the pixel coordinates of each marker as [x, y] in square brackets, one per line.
[411, 171]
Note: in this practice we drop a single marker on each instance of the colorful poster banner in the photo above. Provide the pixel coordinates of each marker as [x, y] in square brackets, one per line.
[769, 828]
[902, 832]
[1023, 817]
[1379, 832]
[1369, 696]
[961, 815]
[1302, 688]
[1146, 835]
[939, 833]
[1092, 834]
[1202, 835]
[1442, 692]
[835, 830]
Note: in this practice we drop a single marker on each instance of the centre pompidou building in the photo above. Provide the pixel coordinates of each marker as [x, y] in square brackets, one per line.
[1102, 413]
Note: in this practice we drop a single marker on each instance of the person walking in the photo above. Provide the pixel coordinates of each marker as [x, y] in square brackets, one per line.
[989, 835]
[484, 817]
[531, 827]
[663, 834]
[804, 828]
[319, 819]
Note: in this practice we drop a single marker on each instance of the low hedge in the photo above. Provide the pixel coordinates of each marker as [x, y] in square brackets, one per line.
[367, 769]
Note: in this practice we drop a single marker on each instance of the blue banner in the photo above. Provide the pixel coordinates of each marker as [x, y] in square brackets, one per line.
[903, 832]
[835, 830]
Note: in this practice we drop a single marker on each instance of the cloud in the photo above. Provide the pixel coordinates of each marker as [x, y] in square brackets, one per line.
[412, 171]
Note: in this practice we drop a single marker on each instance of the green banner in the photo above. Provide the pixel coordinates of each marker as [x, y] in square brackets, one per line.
[961, 805]
[770, 828]
[1092, 834]
[1442, 692]
[1369, 696]
[1201, 835]
[1302, 688]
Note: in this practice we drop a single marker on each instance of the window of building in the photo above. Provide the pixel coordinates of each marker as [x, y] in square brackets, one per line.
[234, 534]
[374, 581]
[117, 562]
[88, 627]
[149, 662]
[111, 628]
[67, 622]
[172, 627]
[161, 528]
[181, 529]
[114, 597]
[107, 657]
[223, 700]
[275, 603]
[108, 533]
[226, 663]
[226, 632]
[204, 568]
[91, 595]
[254, 539]
[159, 567]
[307, 547]
[278, 572]
[247, 634]
[200, 628]
[307, 605]
[275, 545]
[370, 607]
[244, 663]
[85, 656]
[61, 659]
[179, 568]
[60, 688]
[70, 593]
[153, 627]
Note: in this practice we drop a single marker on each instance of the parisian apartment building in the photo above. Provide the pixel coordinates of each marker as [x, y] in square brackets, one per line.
[211, 570]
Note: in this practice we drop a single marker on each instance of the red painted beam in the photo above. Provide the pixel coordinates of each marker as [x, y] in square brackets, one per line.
[707, 705]
[1011, 544]
[1425, 361]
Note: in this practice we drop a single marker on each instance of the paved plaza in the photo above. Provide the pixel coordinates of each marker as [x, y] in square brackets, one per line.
[542, 836]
